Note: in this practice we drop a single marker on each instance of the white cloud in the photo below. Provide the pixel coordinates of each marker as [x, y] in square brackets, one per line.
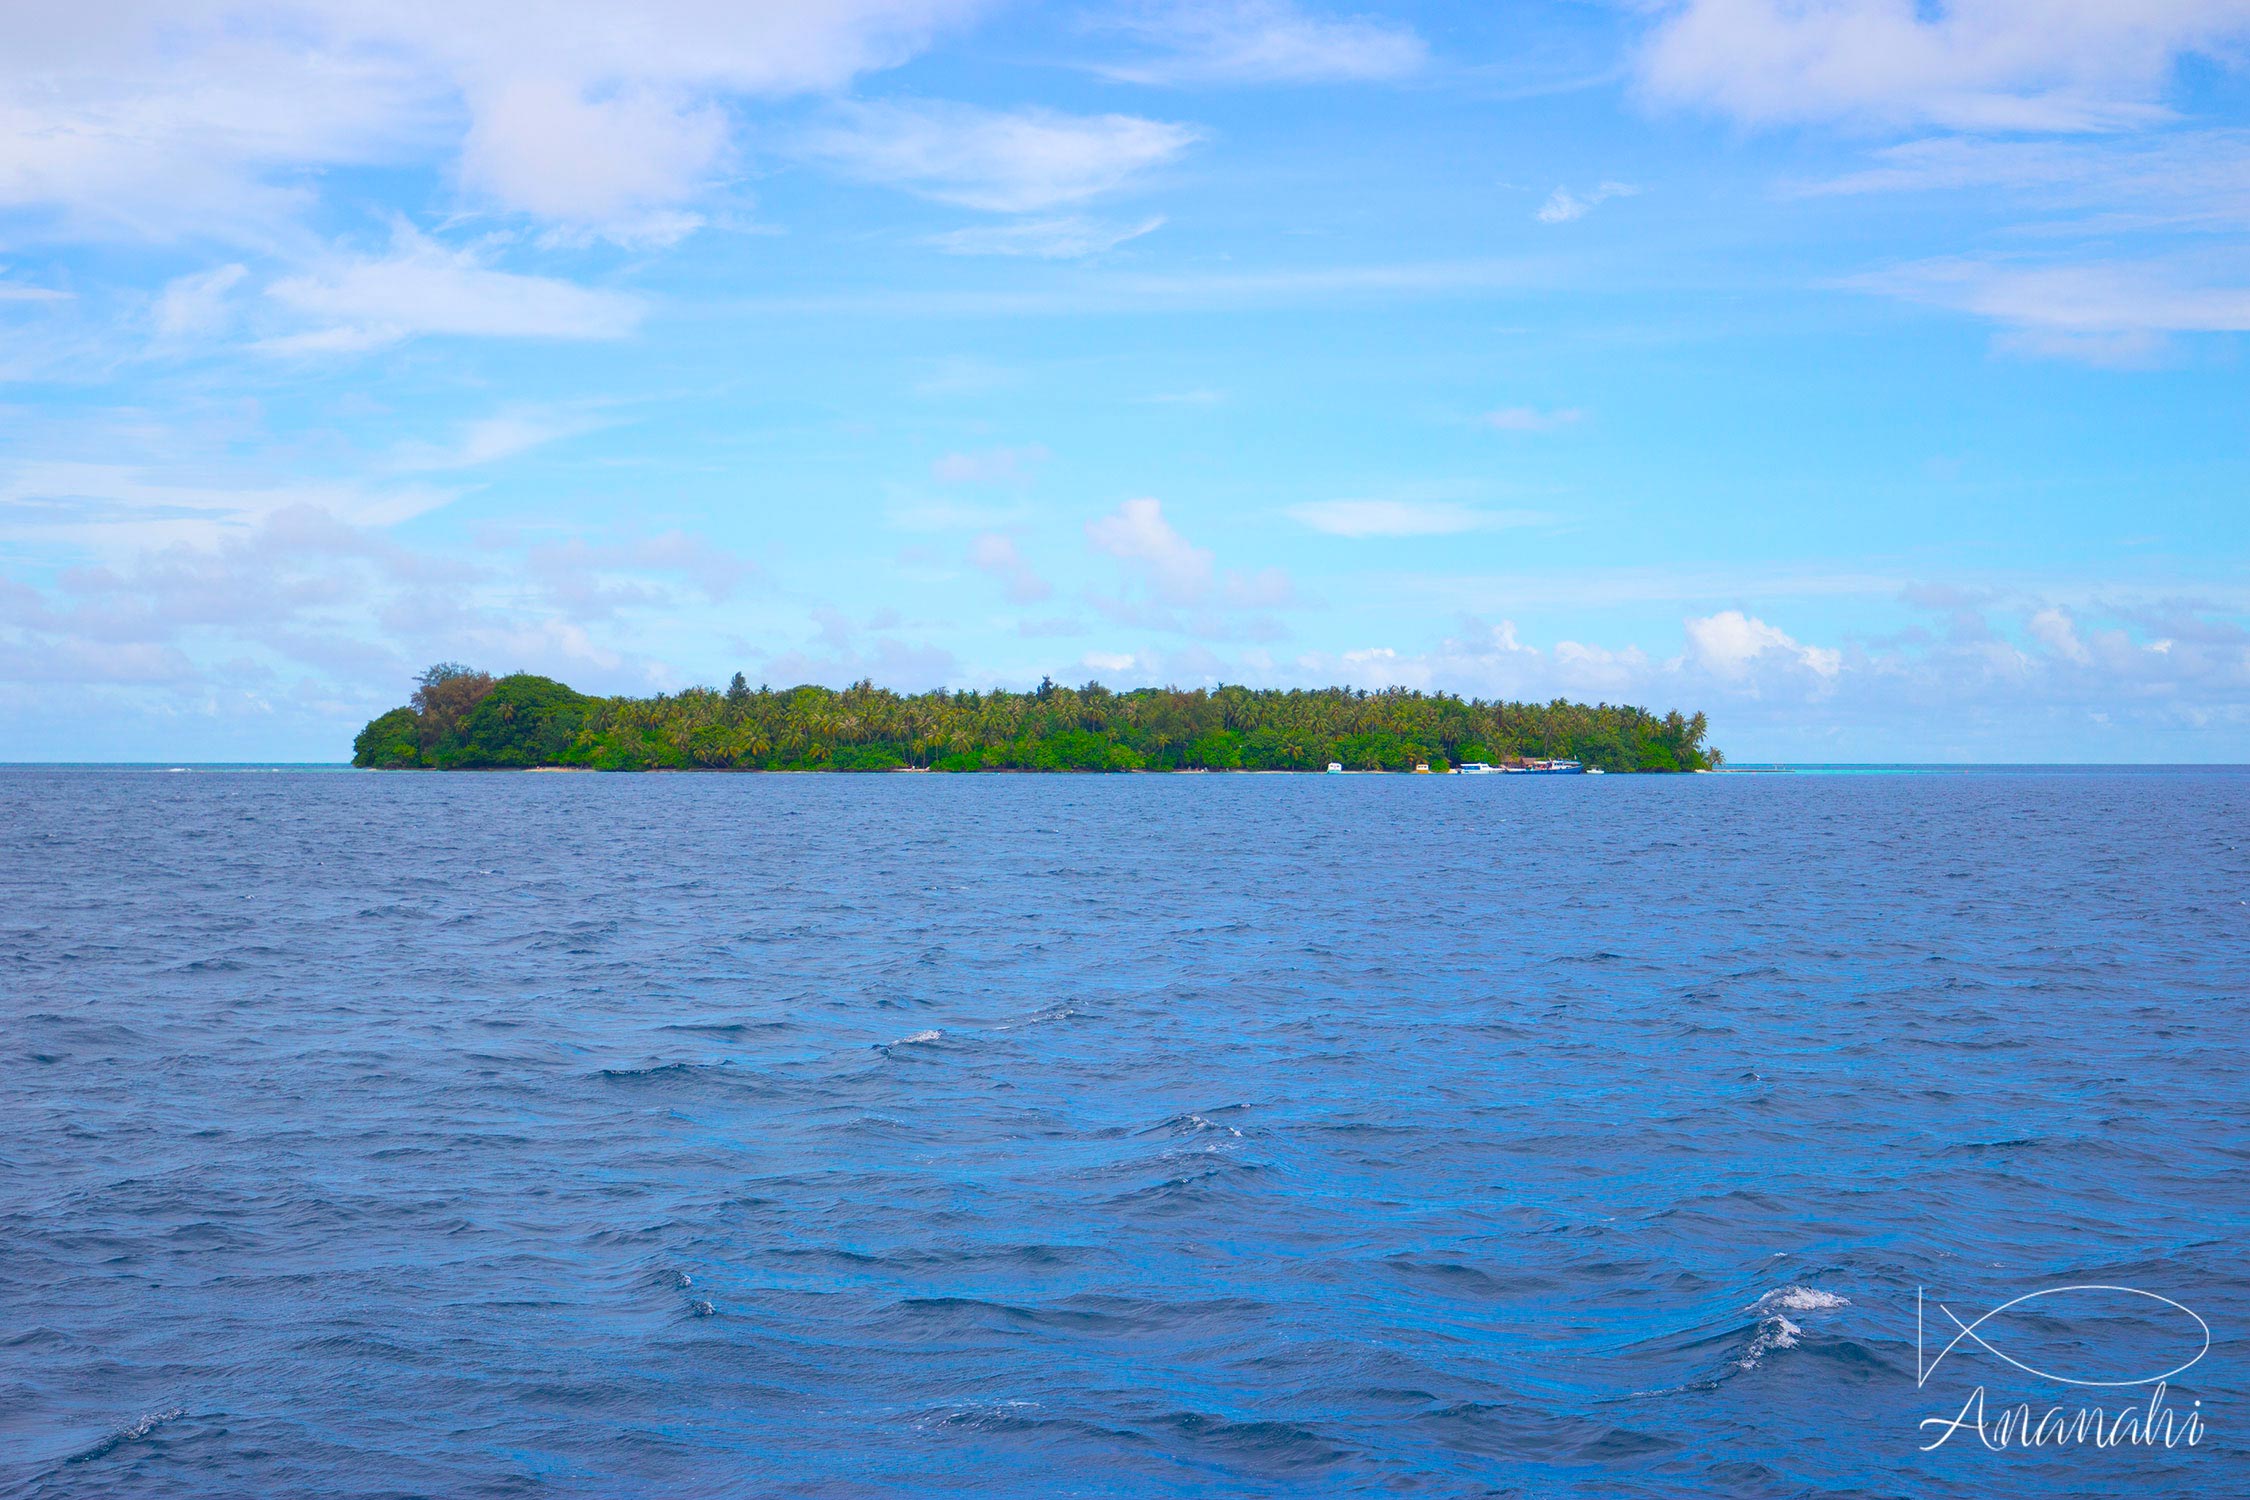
[1730, 644]
[109, 504]
[1137, 534]
[1008, 162]
[2054, 629]
[1265, 41]
[201, 303]
[490, 439]
[996, 554]
[2168, 179]
[16, 291]
[2001, 65]
[1070, 238]
[597, 579]
[1405, 518]
[1107, 661]
[1563, 206]
[2106, 312]
[422, 287]
[200, 118]
[990, 466]
[611, 165]
[1532, 419]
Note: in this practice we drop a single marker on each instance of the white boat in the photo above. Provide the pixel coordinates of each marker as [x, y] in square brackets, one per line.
[1548, 768]
[1335, 768]
[1476, 768]
[1596, 771]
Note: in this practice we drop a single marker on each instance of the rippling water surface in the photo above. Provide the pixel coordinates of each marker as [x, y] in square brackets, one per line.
[891, 1135]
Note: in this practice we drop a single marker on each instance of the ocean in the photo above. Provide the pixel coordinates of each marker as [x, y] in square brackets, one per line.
[485, 1134]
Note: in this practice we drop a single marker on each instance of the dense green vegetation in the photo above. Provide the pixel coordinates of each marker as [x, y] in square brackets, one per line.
[464, 719]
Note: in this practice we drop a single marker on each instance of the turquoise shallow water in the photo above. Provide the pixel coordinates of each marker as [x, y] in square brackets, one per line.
[384, 1135]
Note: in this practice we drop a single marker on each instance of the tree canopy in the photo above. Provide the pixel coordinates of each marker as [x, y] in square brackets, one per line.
[462, 719]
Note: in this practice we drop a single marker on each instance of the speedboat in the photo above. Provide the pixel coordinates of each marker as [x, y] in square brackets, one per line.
[1335, 768]
[1476, 768]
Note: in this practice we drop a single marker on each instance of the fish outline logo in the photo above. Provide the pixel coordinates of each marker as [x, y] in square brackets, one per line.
[1925, 1367]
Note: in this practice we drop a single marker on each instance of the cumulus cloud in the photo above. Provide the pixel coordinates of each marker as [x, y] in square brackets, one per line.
[1988, 65]
[1181, 590]
[421, 287]
[1016, 161]
[283, 632]
[199, 118]
[995, 554]
[1264, 41]
[612, 165]
[1732, 645]
[1138, 535]
[597, 578]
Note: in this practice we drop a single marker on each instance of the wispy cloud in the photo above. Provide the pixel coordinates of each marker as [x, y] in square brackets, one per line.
[1102, 290]
[989, 465]
[1985, 65]
[1532, 418]
[109, 504]
[1071, 238]
[17, 291]
[2106, 312]
[1564, 206]
[1019, 161]
[490, 439]
[422, 287]
[1407, 518]
[1263, 41]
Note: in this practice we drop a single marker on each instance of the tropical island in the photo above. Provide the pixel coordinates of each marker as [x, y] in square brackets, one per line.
[463, 719]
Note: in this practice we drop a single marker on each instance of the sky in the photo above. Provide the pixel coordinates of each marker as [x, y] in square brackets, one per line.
[1867, 374]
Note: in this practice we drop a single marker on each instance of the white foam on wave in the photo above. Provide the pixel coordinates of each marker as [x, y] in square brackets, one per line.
[147, 1424]
[1775, 1329]
[1800, 1299]
[1776, 1332]
[919, 1036]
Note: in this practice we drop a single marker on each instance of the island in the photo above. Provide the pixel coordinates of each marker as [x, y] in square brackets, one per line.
[463, 719]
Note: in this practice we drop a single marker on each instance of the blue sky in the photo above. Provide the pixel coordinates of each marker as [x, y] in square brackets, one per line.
[1867, 374]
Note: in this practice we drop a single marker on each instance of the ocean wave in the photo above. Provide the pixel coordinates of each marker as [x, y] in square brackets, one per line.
[133, 1432]
[1775, 1329]
[918, 1039]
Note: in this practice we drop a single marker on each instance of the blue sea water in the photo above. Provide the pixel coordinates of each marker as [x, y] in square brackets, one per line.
[1204, 1135]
